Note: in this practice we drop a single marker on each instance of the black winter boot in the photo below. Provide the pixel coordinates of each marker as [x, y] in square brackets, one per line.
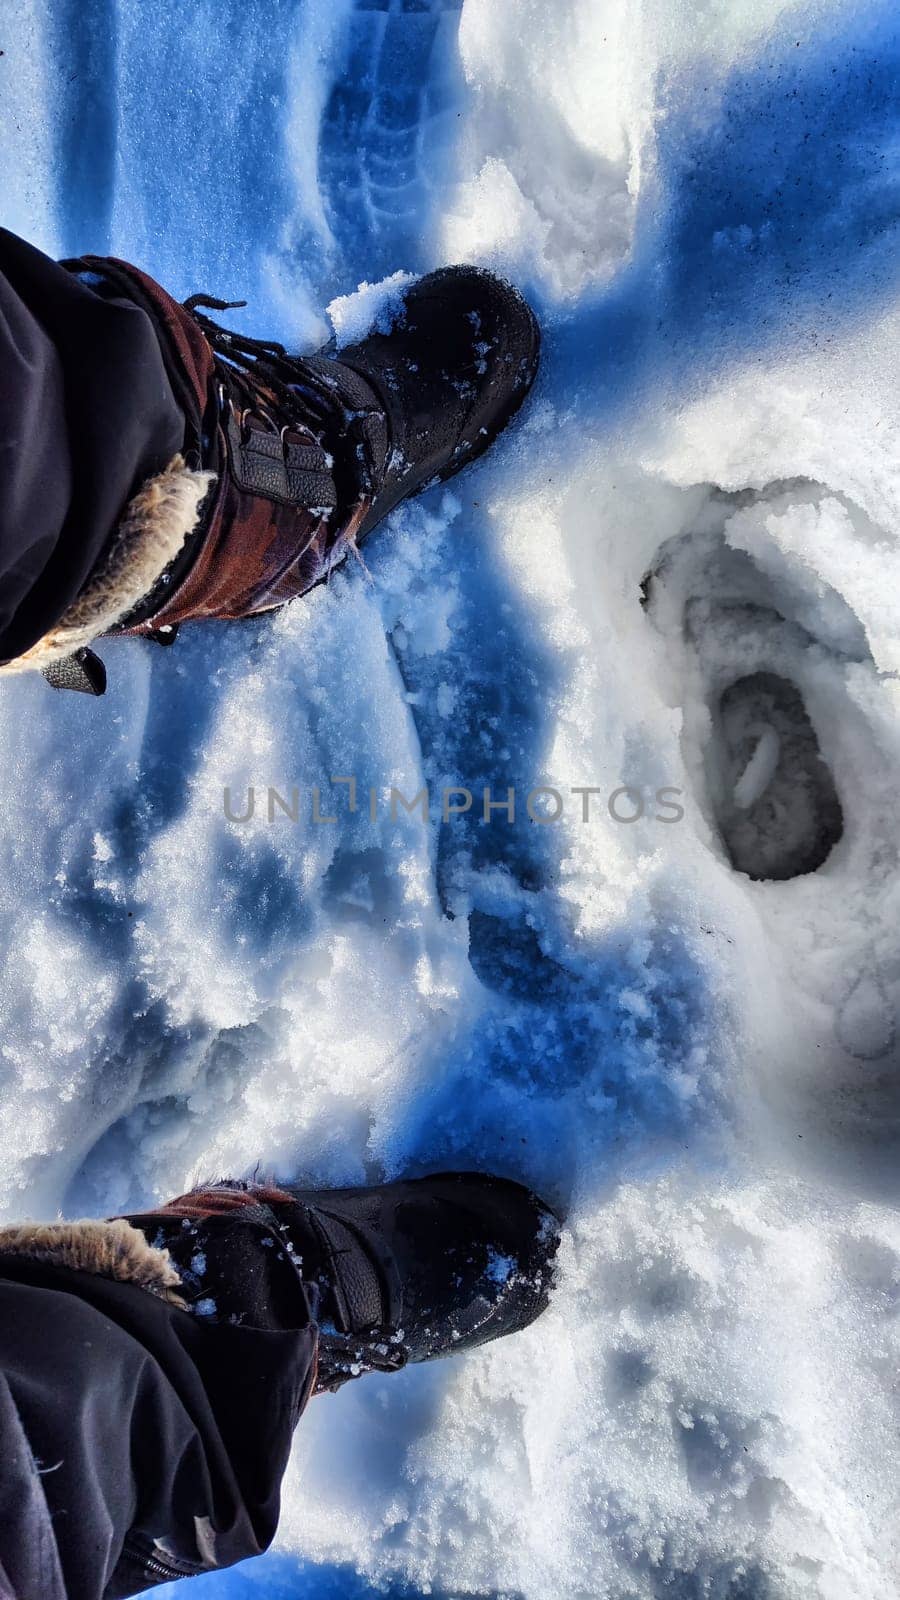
[287, 462]
[406, 1271]
[313, 451]
[429, 1267]
[449, 375]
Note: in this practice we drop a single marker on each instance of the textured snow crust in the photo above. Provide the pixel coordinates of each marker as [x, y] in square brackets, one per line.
[703, 1070]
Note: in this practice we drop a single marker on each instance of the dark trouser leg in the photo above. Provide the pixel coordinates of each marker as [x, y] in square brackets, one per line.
[87, 413]
[141, 1442]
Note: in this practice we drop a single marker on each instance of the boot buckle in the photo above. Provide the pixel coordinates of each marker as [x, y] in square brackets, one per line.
[278, 467]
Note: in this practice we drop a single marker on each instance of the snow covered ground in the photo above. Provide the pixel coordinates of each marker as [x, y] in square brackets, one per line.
[703, 1069]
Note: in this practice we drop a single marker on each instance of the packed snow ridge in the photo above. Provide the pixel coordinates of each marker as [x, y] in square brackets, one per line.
[679, 571]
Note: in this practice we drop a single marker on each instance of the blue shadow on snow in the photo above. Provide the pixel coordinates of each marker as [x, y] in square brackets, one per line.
[774, 216]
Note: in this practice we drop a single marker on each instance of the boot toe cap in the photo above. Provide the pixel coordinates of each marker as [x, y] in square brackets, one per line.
[495, 333]
[506, 1271]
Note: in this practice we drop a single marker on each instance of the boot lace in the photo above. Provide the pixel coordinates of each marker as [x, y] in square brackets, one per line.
[252, 372]
[260, 376]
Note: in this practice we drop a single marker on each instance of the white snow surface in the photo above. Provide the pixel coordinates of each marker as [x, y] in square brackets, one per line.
[372, 307]
[702, 1070]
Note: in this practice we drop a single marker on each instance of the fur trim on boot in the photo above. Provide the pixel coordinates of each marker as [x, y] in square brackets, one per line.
[107, 1249]
[152, 532]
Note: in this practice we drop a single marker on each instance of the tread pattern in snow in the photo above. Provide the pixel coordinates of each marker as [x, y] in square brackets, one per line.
[387, 126]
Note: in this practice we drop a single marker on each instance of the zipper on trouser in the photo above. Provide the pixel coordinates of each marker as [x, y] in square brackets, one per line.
[151, 1566]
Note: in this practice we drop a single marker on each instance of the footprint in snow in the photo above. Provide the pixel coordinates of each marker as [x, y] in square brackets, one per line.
[388, 129]
[775, 801]
[765, 654]
[766, 785]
